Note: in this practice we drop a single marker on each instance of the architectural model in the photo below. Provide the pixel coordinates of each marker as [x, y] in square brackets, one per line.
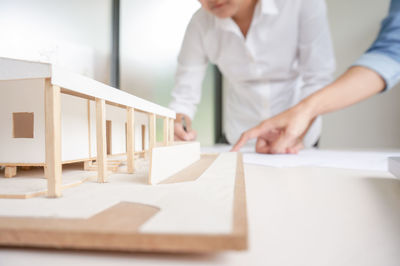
[51, 117]
[56, 119]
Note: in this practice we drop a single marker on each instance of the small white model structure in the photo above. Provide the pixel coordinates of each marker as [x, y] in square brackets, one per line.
[50, 117]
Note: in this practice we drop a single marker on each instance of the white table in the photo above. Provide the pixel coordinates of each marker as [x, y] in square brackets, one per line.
[297, 216]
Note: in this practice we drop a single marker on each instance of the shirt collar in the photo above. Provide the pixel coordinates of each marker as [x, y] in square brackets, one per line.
[268, 7]
[263, 7]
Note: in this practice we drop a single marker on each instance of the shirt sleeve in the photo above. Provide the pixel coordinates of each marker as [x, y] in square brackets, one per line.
[192, 65]
[383, 56]
[316, 56]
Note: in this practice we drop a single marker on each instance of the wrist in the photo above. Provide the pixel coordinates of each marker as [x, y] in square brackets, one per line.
[309, 107]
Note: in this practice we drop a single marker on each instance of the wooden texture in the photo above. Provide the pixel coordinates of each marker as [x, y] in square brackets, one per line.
[87, 165]
[53, 168]
[101, 158]
[166, 161]
[117, 229]
[172, 130]
[10, 171]
[109, 136]
[130, 140]
[196, 169]
[165, 131]
[152, 131]
[152, 141]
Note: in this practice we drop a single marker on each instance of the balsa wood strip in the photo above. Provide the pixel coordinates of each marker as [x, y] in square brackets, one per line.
[165, 131]
[193, 171]
[10, 171]
[240, 227]
[53, 168]
[152, 141]
[101, 140]
[172, 131]
[130, 130]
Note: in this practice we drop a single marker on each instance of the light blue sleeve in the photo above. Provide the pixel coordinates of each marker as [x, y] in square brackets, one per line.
[383, 56]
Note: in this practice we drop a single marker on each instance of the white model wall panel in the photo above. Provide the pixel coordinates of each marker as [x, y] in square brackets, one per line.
[117, 116]
[118, 119]
[74, 128]
[141, 119]
[93, 149]
[22, 96]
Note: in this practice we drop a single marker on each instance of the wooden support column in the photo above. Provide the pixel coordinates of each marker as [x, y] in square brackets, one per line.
[53, 168]
[152, 131]
[171, 130]
[130, 130]
[152, 141]
[101, 140]
[87, 165]
[10, 171]
[166, 138]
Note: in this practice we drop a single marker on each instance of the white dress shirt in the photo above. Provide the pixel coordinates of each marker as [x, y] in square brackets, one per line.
[286, 55]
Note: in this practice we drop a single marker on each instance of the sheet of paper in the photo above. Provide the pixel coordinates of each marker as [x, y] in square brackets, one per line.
[359, 160]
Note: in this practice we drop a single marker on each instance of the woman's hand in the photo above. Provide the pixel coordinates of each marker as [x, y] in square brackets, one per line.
[183, 128]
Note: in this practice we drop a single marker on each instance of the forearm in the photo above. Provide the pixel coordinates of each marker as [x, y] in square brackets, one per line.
[356, 84]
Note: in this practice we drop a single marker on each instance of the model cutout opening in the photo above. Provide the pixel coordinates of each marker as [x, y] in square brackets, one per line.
[23, 125]
[143, 137]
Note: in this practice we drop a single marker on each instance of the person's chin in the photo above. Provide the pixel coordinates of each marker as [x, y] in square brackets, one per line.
[223, 13]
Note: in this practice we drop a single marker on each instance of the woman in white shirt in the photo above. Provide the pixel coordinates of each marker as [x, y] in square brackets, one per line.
[272, 54]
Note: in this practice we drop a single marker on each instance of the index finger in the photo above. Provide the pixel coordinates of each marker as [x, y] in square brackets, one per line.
[245, 137]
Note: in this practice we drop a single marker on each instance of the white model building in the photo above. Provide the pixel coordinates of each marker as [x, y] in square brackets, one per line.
[51, 117]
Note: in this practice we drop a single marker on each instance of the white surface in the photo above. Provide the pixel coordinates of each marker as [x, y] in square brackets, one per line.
[374, 161]
[297, 217]
[200, 206]
[141, 119]
[74, 128]
[28, 182]
[357, 160]
[87, 86]
[18, 69]
[209, 205]
[82, 84]
[22, 96]
[394, 166]
[169, 160]
[93, 136]
[117, 116]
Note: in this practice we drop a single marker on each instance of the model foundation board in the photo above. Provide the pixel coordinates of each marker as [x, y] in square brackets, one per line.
[199, 209]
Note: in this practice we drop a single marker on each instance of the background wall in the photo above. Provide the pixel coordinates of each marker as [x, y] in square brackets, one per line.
[151, 36]
[76, 34]
[374, 123]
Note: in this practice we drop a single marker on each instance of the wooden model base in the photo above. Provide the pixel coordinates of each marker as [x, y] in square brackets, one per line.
[118, 227]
